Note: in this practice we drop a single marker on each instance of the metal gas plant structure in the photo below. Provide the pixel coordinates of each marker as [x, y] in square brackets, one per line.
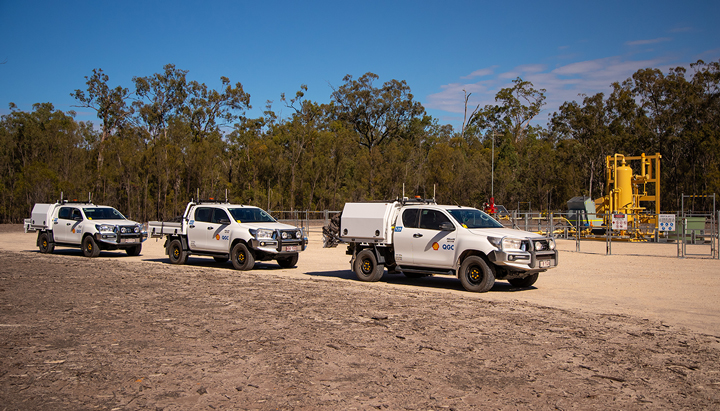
[635, 197]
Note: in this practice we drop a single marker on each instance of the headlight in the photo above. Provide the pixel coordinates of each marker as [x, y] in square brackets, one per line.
[507, 243]
[261, 233]
[137, 229]
[298, 234]
[285, 235]
[538, 246]
[512, 244]
[105, 227]
[551, 243]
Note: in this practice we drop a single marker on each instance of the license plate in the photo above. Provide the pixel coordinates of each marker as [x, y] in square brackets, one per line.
[291, 248]
[545, 263]
[128, 240]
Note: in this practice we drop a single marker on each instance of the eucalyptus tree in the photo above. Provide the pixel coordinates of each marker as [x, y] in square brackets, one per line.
[207, 114]
[160, 99]
[516, 107]
[110, 104]
[377, 114]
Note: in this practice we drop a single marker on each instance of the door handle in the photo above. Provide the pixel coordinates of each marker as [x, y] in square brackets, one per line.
[68, 223]
[210, 228]
[418, 235]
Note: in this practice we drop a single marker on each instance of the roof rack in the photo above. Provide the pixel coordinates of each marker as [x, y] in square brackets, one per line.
[212, 201]
[418, 200]
[75, 202]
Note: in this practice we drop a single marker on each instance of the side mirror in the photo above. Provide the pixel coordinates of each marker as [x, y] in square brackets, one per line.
[224, 221]
[447, 227]
[78, 218]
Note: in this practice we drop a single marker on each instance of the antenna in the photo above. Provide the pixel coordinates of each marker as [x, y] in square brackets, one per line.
[433, 192]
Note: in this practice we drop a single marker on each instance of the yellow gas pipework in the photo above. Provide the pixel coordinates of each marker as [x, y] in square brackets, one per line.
[626, 191]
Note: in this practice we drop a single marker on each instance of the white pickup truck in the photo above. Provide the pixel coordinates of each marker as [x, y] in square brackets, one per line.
[418, 237]
[86, 225]
[243, 234]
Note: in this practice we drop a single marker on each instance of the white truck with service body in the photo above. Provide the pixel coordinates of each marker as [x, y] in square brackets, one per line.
[420, 237]
[86, 225]
[243, 234]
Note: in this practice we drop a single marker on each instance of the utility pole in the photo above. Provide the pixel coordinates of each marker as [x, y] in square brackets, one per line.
[492, 168]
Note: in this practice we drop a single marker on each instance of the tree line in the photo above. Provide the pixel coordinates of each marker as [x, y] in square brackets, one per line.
[166, 138]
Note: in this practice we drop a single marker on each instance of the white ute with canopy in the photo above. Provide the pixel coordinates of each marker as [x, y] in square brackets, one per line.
[419, 237]
[86, 225]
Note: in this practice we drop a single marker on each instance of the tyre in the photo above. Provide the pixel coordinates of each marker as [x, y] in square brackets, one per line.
[220, 260]
[176, 253]
[90, 247]
[288, 262]
[524, 282]
[134, 251]
[46, 246]
[242, 258]
[366, 266]
[476, 275]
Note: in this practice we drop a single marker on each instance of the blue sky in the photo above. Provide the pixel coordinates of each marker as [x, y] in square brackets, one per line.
[439, 47]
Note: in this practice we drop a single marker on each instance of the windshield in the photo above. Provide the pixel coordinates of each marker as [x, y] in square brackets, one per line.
[472, 218]
[251, 215]
[103, 213]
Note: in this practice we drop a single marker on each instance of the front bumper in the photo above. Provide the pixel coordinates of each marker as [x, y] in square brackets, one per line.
[524, 260]
[121, 240]
[272, 246]
[279, 245]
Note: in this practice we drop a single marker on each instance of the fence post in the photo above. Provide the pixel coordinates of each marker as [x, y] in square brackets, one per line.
[608, 240]
[684, 234]
[678, 221]
[577, 232]
[552, 226]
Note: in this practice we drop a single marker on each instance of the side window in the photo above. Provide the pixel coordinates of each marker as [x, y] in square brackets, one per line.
[65, 213]
[203, 214]
[219, 214]
[410, 218]
[432, 219]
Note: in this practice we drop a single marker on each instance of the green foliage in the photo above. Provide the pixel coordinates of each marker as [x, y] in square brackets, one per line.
[160, 144]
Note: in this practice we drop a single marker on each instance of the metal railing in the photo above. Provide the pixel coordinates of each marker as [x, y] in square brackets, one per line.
[307, 220]
[690, 229]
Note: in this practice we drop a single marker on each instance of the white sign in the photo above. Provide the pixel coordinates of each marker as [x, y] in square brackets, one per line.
[619, 222]
[666, 222]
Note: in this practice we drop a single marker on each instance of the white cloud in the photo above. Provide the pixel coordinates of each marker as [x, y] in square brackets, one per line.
[480, 73]
[562, 83]
[646, 42]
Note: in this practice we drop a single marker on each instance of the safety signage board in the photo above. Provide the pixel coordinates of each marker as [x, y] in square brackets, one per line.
[619, 222]
[666, 222]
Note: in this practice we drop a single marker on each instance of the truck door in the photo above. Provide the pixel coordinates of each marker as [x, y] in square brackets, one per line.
[432, 246]
[219, 232]
[67, 228]
[406, 227]
[199, 228]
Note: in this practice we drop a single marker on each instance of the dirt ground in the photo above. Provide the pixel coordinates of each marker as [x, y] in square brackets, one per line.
[639, 329]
